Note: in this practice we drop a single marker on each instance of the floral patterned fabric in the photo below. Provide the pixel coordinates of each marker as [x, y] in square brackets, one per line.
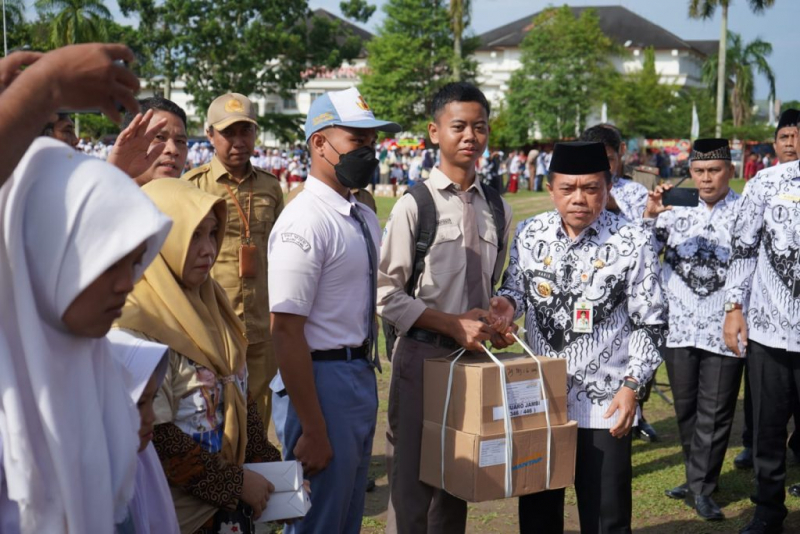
[764, 272]
[611, 265]
[697, 249]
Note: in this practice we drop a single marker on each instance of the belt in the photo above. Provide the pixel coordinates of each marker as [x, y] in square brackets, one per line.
[345, 353]
[432, 338]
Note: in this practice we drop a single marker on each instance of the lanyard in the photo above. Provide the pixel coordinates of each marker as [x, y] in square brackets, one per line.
[245, 219]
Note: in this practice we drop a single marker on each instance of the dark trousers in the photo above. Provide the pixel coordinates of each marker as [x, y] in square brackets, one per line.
[774, 382]
[747, 431]
[414, 507]
[603, 478]
[704, 387]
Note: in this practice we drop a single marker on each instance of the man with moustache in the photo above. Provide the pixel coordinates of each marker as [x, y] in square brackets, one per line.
[704, 374]
[254, 200]
[587, 281]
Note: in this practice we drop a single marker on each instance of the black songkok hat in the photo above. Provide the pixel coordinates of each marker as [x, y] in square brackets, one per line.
[790, 117]
[579, 157]
[708, 149]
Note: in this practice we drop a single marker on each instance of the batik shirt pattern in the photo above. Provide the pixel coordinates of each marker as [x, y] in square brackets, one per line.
[612, 265]
[764, 274]
[697, 249]
[631, 197]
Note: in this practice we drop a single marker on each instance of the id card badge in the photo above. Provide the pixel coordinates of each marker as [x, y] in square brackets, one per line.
[583, 317]
[248, 261]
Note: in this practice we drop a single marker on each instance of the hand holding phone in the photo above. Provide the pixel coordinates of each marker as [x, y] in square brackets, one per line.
[683, 196]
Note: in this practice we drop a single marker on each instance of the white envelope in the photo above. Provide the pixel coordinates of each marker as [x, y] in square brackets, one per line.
[285, 476]
[286, 505]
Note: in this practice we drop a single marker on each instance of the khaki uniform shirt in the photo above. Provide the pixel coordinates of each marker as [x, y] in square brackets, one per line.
[442, 285]
[361, 195]
[248, 296]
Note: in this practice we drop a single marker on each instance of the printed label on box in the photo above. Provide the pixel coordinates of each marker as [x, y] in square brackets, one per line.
[524, 398]
[493, 452]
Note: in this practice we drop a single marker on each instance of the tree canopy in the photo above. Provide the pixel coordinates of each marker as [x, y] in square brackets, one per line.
[410, 59]
[566, 69]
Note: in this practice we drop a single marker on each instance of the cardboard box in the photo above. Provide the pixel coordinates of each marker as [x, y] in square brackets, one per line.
[286, 505]
[285, 476]
[476, 400]
[474, 465]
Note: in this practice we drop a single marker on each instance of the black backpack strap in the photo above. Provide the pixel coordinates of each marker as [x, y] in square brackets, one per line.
[499, 215]
[425, 232]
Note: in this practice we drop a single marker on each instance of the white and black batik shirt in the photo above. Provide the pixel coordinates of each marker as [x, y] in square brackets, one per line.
[631, 197]
[764, 273]
[612, 265]
[697, 248]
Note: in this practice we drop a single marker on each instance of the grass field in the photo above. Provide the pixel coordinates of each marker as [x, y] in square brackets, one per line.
[656, 466]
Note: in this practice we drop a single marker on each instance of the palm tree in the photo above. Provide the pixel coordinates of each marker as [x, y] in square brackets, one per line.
[704, 9]
[743, 60]
[459, 16]
[13, 15]
[76, 21]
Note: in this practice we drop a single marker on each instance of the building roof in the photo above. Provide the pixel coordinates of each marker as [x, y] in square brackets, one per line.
[359, 32]
[617, 22]
[707, 48]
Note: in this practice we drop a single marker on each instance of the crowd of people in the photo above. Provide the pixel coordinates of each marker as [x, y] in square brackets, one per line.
[157, 321]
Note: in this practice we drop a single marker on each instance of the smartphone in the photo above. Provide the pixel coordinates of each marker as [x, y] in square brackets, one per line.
[683, 196]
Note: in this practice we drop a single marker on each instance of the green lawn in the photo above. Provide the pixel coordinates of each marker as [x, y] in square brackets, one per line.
[656, 466]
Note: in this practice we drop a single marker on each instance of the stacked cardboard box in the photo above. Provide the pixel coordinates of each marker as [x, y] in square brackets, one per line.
[474, 457]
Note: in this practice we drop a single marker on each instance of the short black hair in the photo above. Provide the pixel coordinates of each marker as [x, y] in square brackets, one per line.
[608, 134]
[457, 92]
[158, 103]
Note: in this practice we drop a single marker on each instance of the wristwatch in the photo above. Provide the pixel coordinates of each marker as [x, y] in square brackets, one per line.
[730, 306]
[638, 388]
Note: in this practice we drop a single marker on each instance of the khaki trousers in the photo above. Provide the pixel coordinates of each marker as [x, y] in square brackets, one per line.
[261, 369]
[414, 507]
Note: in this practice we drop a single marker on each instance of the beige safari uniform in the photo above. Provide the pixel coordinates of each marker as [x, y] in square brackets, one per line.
[247, 295]
[413, 505]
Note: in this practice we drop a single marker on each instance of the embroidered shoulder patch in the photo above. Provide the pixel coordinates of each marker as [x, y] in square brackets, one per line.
[298, 240]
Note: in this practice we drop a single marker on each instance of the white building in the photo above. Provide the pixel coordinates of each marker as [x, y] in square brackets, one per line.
[678, 62]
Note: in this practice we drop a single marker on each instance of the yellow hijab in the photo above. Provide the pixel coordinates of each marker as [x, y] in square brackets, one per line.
[197, 323]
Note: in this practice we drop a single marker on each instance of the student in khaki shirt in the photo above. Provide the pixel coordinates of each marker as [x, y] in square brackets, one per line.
[452, 297]
[232, 131]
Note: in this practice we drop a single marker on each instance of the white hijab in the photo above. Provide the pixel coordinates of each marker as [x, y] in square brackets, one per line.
[152, 509]
[70, 434]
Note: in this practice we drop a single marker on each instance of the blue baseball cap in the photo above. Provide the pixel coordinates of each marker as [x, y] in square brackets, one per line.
[344, 108]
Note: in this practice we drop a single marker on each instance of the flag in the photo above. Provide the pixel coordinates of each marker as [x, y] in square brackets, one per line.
[695, 123]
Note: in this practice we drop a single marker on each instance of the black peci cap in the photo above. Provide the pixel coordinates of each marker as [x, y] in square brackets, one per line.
[711, 148]
[579, 158]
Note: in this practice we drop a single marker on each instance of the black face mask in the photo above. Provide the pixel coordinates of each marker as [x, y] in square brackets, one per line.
[355, 168]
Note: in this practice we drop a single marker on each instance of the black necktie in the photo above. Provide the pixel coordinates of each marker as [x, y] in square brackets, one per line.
[372, 327]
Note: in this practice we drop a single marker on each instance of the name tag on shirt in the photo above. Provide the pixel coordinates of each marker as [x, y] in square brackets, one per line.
[583, 317]
[790, 198]
[544, 274]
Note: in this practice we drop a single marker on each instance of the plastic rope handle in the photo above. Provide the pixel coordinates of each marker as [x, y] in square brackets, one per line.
[459, 354]
[546, 404]
[506, 421]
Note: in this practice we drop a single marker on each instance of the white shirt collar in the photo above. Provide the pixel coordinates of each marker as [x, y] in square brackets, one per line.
[330, 197]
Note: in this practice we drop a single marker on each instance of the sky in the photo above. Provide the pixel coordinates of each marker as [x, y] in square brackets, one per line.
[778, 25]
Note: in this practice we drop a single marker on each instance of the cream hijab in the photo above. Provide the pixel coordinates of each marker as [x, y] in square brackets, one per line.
[69, 431]
[197, 323]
